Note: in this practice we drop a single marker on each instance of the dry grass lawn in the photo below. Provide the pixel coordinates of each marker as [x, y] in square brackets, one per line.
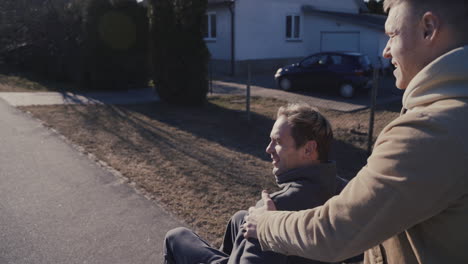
[202, 164]
[21, 82]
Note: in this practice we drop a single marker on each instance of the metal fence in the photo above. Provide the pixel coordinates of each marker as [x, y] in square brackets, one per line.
[356, 121]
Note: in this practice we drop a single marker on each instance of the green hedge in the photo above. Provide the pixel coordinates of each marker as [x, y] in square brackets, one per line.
[101, 43]
[179, 54]
[116, 44]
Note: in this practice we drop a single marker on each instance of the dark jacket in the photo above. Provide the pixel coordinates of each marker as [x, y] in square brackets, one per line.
[302, 188]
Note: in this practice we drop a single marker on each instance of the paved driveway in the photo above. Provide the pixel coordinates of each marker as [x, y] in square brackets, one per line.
[264, 85]
[57, 206]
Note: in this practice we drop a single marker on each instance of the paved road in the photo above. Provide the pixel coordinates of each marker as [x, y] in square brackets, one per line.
[58, 206]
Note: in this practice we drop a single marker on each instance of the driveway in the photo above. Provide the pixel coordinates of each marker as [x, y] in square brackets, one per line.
[59, 206]
[264, 85]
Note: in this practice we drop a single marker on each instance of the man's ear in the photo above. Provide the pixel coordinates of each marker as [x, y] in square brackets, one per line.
[430, 25]
[310, 147]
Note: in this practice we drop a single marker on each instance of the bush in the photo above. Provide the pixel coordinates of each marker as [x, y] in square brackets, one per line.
[101, 43]
[179, 55]
[116, 44]
[40, 36]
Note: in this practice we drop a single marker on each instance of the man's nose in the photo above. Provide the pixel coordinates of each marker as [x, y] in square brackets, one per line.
[386, 51]
[269, 147]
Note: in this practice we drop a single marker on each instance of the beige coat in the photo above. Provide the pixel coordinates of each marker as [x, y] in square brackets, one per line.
[411, 199]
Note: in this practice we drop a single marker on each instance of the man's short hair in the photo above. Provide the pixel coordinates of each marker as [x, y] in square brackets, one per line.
[308, 124]
[453, 12]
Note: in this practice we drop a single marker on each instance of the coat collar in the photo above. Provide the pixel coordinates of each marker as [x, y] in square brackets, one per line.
[318, 173]
[444, 78]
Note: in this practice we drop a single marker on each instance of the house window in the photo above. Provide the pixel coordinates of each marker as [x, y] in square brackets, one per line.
[209, 27]
[293, 27]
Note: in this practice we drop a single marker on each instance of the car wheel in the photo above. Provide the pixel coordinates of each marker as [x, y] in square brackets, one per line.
[347, 90]
[285, 84]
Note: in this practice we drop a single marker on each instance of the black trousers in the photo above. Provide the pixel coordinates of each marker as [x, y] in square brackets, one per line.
[183, 246]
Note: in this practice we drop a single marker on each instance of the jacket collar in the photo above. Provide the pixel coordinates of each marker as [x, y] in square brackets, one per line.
[318, 173]
[444, 78]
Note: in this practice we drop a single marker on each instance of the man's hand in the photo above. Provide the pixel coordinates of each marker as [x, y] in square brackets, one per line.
[250, 225]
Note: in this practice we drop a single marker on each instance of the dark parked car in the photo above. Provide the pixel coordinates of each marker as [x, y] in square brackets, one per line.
[344, 72]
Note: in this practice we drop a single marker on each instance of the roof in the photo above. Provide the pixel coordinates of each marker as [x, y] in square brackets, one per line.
[369, 20]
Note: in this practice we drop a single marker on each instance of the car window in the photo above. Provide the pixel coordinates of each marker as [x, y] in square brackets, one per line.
[318, 59]
[307, 62]
[323, 59]
[336, 59]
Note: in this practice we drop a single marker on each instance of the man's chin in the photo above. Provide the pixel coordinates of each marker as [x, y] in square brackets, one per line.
[398, 80]
[401, 83]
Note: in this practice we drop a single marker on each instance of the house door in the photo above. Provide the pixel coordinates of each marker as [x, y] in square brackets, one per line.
[339, 41]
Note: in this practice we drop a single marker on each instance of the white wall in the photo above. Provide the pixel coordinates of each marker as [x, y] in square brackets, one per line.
[261, 31]
[340, 41]
[261, 26]
[221, 47]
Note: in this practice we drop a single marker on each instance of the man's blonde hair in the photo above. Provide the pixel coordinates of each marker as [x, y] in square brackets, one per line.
[453, 12]
[308, 124]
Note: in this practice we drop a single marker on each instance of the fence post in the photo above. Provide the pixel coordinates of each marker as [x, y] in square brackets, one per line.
[247, 101]
[210, 70]
[375, 87]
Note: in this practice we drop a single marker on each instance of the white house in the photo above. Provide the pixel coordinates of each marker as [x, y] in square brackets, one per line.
[271, 33]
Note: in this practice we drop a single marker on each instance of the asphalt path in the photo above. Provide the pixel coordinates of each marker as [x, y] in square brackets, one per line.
[59, 206]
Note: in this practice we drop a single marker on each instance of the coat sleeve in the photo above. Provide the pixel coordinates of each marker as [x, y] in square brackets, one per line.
[407, 180]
